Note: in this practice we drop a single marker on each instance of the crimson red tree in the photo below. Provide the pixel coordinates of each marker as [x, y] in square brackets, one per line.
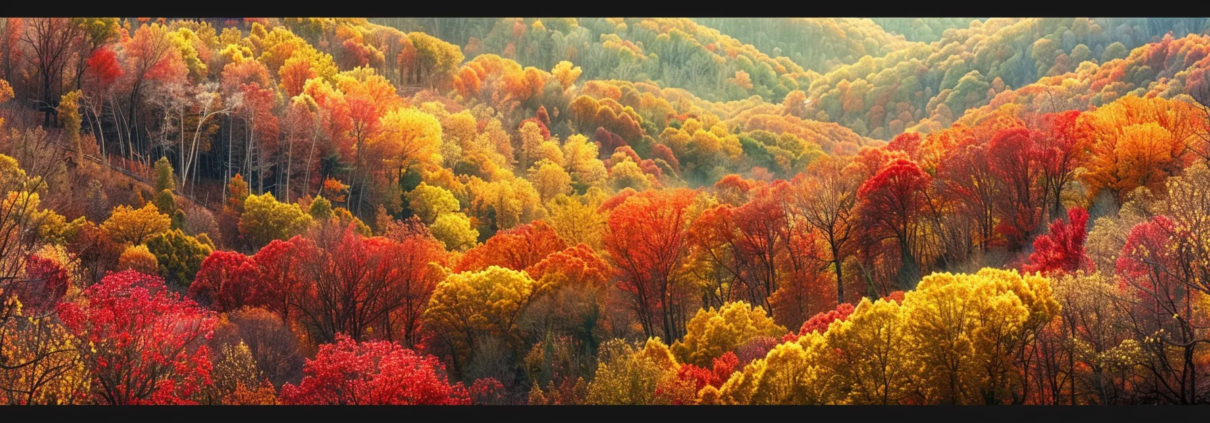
[892, 203]
[140, 343]
[227, 281]
[373, 373]
[1062, 250]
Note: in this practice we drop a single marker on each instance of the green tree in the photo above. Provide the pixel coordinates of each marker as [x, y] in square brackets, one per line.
[265, 219]
[428, 202]
[179, 256]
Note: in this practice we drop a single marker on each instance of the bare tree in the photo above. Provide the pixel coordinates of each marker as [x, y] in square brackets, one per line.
[51, 40]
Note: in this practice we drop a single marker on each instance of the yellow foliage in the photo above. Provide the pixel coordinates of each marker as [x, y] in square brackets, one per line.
[139, 258]
[711, 333]
[135, 226]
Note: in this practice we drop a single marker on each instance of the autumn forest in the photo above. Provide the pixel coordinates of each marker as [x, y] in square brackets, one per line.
[630, 211]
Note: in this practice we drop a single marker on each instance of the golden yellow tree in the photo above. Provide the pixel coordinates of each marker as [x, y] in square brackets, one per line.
[1136, 142]
[467, 308]
[135, 226]
[713, 332]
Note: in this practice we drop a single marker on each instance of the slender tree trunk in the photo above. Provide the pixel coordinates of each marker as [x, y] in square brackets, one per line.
[310, 158]
[839, 274]
[227, 166]
[289, 160]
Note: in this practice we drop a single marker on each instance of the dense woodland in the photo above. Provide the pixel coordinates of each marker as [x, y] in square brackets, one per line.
[604, 211]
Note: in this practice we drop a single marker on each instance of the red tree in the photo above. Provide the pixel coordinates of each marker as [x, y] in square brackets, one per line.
[517, 248]
[715, 376]
[1014, 160]
[1158, 277]
[279, 281]
[820, 322]
[1061, 152]
[646, 240]
[373, 373]
[46, 282]
[965, 174]
[103, 67]
[355, 285]
[408, 261]
[227, 281]
[892, 203]
[140, 344]
[1062, 250]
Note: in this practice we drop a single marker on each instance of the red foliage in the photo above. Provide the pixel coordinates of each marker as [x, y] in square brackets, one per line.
[140, 344]
[965, 174]
[716, 376]
[373, 373]
[733, 187]
[278, 274]
[1014, 161]
[361, 286]
[46, 282]
[891, 204]
[907, 142]
[579, 264]
[541, 126]
[1062, 250]
[609, 143]
[227, 281]
[294, 75]
[820, 322]
[103, 68]
[617, 199]
[517, 248]
[1060, 152]
[661, 151]
[1149, 266]
[647, 240]
[487, 391]
[755, 348]
[543, 116]
[896, 296]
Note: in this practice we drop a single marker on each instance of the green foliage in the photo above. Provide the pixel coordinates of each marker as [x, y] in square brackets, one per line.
[164, 178]
[320, 209]
[429, 202]
[179, 256]
[265, 219]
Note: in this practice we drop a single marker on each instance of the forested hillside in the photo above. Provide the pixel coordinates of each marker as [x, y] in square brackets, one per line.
[632, 211]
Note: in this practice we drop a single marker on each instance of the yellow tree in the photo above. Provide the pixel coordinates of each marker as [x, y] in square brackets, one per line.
[531, 137]
[428, 202]
[792, 373]
[468, 308]
[140, 259]
[69, 112]
[135, 226]
[566, 73]
[966, 331]
[454, 230]
[627, 375]
[875, 364]
[581, 159]
[41, 365]
[711, 333]
[505, 203]
[549, 179]
[577, 219]
[407, 136]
